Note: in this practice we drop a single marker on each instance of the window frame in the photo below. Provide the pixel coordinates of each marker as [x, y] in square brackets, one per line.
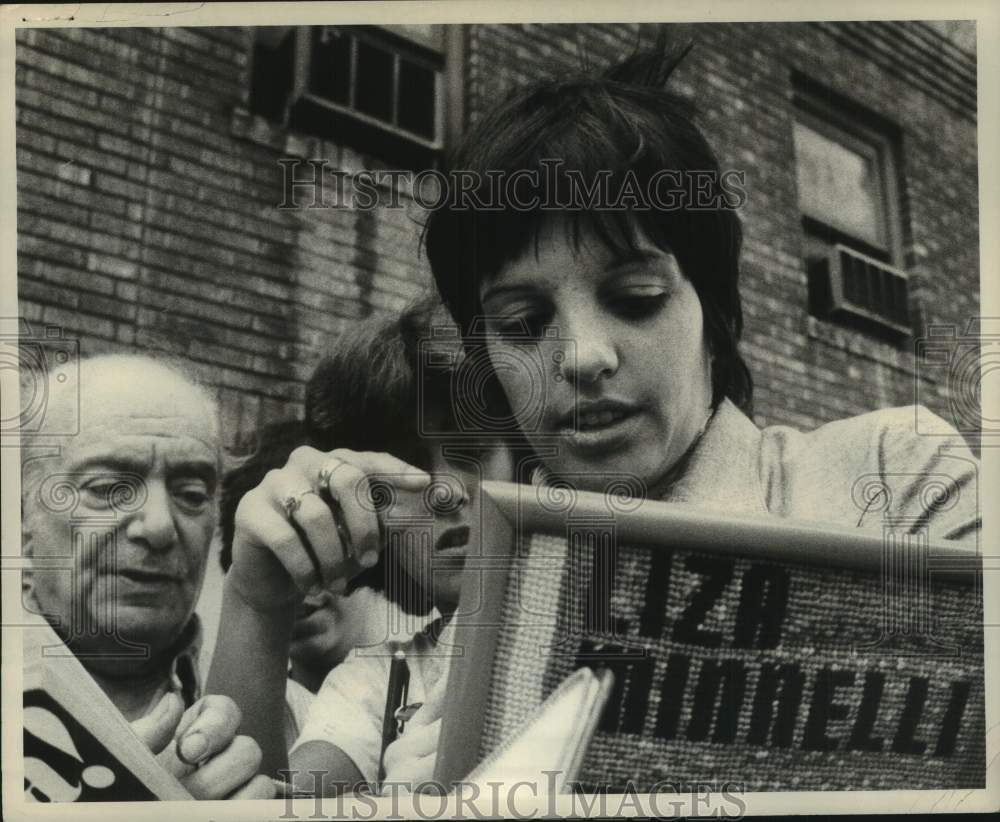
[446, 62]
[854, 130]
[303, 74]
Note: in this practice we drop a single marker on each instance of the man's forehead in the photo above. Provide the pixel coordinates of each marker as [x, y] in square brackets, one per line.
[136, 405]
[143, 442]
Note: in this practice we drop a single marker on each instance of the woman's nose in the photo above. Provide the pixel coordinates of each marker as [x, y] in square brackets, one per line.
[592, 354]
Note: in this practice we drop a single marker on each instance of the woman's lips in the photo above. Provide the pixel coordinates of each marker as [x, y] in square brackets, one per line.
[453, 538]
[598, 427]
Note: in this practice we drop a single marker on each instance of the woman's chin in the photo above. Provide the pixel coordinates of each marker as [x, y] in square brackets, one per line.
[599, 473]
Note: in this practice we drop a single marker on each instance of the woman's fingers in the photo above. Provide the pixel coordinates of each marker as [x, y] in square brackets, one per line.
[350, 495]
[269, 542]
[392, 469]
[317, 518]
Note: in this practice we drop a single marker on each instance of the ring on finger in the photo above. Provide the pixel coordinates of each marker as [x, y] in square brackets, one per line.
[326, 472]
[291, 503]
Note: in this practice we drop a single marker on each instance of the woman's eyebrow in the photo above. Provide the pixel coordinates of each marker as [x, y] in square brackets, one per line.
[632, 258]
[505, 289]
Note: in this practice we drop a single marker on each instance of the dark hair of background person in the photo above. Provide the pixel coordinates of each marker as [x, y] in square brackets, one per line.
[620, 121]
[373, 393]
[363, 396]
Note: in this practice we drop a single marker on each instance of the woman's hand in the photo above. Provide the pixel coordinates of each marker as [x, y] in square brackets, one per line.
[312, 524]
[201, 748]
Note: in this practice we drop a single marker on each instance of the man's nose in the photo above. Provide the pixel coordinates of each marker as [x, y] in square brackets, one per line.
[153, 524]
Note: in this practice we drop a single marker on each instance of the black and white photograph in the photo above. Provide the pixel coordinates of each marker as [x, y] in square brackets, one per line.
[448, 409]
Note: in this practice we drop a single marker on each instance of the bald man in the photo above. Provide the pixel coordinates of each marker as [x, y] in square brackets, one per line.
[141, 476]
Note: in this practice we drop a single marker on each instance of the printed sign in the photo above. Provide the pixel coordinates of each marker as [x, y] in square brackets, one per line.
[77, 746]
[64, 762]
[735, 669]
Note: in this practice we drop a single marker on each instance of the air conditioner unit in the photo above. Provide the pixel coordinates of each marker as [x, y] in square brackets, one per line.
[855, 285]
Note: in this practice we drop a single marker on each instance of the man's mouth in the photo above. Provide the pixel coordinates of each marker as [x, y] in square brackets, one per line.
[139, 576]
[453, 538]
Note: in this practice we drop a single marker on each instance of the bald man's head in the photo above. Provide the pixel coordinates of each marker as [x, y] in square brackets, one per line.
[111, 385]
[142, 470]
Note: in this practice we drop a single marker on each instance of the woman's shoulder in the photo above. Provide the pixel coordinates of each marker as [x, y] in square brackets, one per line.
[903, 461]
[887, 438]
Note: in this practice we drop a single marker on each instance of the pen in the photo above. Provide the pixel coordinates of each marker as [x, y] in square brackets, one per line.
[399, 683]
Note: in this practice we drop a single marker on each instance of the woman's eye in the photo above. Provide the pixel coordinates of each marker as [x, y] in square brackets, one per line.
[639, 304]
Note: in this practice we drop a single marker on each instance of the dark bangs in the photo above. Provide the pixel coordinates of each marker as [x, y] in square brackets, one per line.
[614, 154]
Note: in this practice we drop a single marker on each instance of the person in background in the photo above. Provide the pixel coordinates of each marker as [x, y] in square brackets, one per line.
[309, 524]
[328, 626]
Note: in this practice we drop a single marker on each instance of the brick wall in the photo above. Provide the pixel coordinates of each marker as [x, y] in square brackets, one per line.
[147, 202]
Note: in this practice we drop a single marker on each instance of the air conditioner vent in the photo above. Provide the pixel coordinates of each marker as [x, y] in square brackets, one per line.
[864, 288]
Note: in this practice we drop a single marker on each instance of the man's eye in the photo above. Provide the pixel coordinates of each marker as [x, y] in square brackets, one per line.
[98, 493]
[194, 496]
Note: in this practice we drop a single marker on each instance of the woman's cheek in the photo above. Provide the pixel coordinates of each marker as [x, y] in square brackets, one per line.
[527, 383]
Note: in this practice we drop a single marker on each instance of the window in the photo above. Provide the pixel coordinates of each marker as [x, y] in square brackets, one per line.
[845, 169]
[378, 89]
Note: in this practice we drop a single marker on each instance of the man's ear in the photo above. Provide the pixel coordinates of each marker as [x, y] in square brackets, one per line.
[27, 550]
[27, 541]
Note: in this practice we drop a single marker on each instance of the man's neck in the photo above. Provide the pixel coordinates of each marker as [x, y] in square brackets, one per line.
[134, 692]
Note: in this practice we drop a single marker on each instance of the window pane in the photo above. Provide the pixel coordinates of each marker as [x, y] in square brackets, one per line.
[838, 186]
[330, 73]
[416, 99]
[374, 81]
[431, 36]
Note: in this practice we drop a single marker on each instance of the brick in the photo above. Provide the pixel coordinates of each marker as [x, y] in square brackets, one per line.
[120, 269]
[177, 164]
